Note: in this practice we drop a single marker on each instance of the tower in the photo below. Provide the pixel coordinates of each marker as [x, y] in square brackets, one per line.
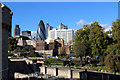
[48, 28]
[16, 31]
[5, 32]
[41, 32]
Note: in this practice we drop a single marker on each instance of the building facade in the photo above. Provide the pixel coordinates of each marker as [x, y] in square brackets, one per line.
[5, 32]
[16, 31]
[7, 18]
[65, 34]
[41, 32]
[41, 45]
[26, 33]
[62, 26]
[48, 28]
[22, 41]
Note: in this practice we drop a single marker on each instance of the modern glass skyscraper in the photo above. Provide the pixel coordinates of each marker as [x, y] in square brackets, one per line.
[41, 32]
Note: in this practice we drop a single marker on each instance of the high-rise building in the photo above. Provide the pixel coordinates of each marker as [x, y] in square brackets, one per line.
[62, 26]
[16, 31]
[26, 33]
[65, 34]
[41, 32]
[48, 28]
[119, 10]
[5, 32]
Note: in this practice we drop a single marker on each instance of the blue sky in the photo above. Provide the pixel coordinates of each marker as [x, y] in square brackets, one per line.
[72, 14]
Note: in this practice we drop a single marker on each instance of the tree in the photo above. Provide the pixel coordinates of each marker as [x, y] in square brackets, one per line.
[112, 62]
[116, 31]
[115, 36]
[98, 39]
[32, 53]
[12, 43]
[81, 42]
[28, 52]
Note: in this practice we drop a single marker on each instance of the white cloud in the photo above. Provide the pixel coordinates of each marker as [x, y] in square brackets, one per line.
[33, 33]
[106, 26]
[81, 22]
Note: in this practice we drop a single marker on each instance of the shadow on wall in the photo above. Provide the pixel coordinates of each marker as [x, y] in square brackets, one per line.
[21, 67]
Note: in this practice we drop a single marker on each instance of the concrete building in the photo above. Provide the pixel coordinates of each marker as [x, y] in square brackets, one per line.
[41, 32]
[5, 32]
[26, 33]
[22, 41]
[45, 53]
[53, 44]
[60, 43]
[44, 49]
[41, 45]
[16, 31]
[65, 34]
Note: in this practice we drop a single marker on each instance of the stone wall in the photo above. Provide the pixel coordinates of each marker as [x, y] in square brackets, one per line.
[77, 74]
[0, 42]
[5, 32]
[20, 67]
[51, 70]
[62, 72]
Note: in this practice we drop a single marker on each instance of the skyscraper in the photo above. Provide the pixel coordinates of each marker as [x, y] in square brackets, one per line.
[41, 32]
[62, 26]
[48, 28]
[16, 31]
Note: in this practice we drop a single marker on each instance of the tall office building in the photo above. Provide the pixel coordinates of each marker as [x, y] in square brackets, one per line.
[5, 32]
[119, 10]
[41, 32]
[16, 31]
[48, 28]
[61, 32]
[62, 26]
[26, 33]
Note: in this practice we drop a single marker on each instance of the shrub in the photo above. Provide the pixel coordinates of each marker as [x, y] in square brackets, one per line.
[53, 62]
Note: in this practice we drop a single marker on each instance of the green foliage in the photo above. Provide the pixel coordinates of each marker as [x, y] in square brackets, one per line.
[28, 52]
[53, 62]
[116, 31]
[112, 62]
[98, 39]
[12, 43]
[10, 54]
[32, 54]
[90, 40]
[81, 42]
[115, 46]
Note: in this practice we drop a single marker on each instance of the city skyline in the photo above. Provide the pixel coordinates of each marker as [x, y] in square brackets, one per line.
[74, 15]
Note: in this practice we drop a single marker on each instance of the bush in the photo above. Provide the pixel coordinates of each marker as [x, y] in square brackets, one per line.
[10, 54]
[53, 62]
